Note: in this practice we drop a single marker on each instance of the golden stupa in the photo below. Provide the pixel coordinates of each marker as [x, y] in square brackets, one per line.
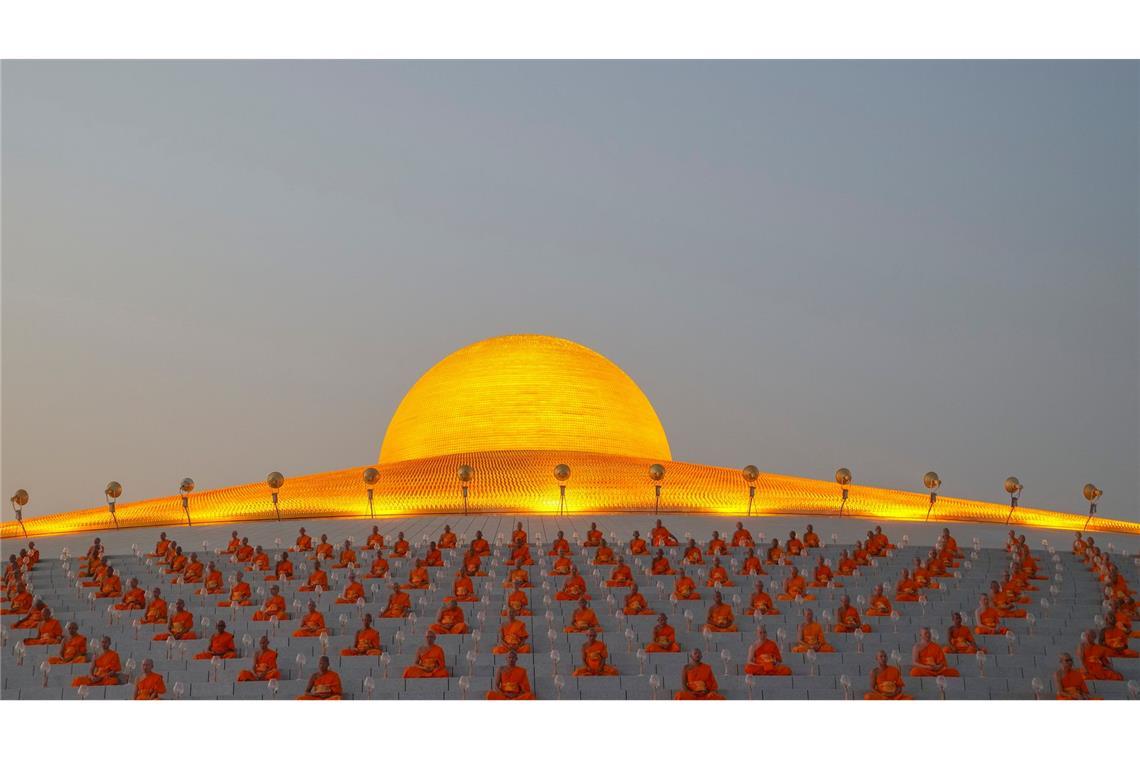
[531, 423]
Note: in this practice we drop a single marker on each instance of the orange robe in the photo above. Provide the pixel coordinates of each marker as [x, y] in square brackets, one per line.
[398, 606]
[417, 578]
[347, 557]
[1073, 686]
[662, 537]
[700, 683]
[518, 601]
[379, 568]
[621, 576]
[635, 604]
[604, 556]
[450, 621]
[214, 583]
[111, 586]
[375, 541]
[48, 632]
[766, 661]
[762, 603]
[325, 686]
[811, 637]
[274, 607]
[324, 551]
[313, 624]
[22, 603]
[1117, 642]
[685, 588]
[352, 592]
[721, 619]
[462, 590]
[513, 638]
[513, 684]
[239, 596]
[888, 684]
[719, 575]
[304, 543]
[793, 587]
[74, 650]
[664, 640]
[181, 627]
[961, 641]
[661, 567]
[105, 673]
[281, 569]
[931, 655]
[583, 620]
[811, 540]
[155, 612]
[594, 656]
[150, 686]
[264, 668]
[743, 537]
[446, 541]
[431, 662]
[638, 546]
[990, 620]
[823, 576]
[400, 548]
[1094, 659]
[573, 590]
[847, 621]
[316, 578]
[221, 645]
[559, 547]
[366, 644]
[753, 566]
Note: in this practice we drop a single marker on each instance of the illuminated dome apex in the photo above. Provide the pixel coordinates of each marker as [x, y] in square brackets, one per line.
[524, 393]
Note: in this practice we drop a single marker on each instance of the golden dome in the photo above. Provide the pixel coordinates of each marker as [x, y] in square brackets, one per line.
[524, 392]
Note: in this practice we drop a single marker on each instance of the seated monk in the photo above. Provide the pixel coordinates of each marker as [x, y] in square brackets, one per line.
[742, 537]
[764, 658]
[718, 573]
[693, 555]
[234, 543]
[366, 643]
[178, 562]
[164, 544]
[928, 660]
[811, 540]
[752, 564]
[418, 578]
[375, 539]
[605, 554]
[881, 541]
[194, 569]
[400, 547]
[717, 545]
[594, 657]
[34, 617]
[379, 567]
[244, 552]
[574, 588]
[907, 589]
[73, 649]
[324, 684]
[847, 564]
[512, 636]
[324, 549]
[886, 680]
[559, 546]
[105, 669]
[22, 601]
[823, 575]
[720, 618]
[880, 605]
[434, 557]
[1004, 603]
[430, 662]
[593, 536]
[214, 583]
[312, 623]
[518, 534]
[936, 566]
[661, 565]
[847, 618]
[519, 576]
[664, 637]
[950, 543]
[447, 539]
[264, 664]
[240, 594]
[795, 585]
[811, 636]
[274, 606]
[1095, 658]
[684, 587]
[793, 547]
[317, 578]
[347, 556]
[149, 685]
[282, 570]
[480, 546]
[520, 552]
[660, 536]
[304, 542]
[698, 680]
[181, 625]
[583, 619]
[353, 591]
[511, 681]
[221, 645]
[1115, 638]
[450, 620]
[562, 566]
[638, 545]
[399, 604]
[1070, 682]
[775, 555]
[760, 602]
[518, 603]
[622, 575]
[987, 619]
[462, 589]
[259, 561]
[960, 638]
[156, 611]
[635, 603]
[861, 555]
[111, 585]
[921, 576]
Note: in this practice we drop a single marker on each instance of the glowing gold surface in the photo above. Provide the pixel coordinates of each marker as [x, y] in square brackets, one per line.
[524, 392]
[523, 481]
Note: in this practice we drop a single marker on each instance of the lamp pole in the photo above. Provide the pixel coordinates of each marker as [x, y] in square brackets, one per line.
[1013, 487]
[656, 473]
[371, 477]
[185, 488]
[932, 482]
[1091, 493]
[562, 474]
[843, 478]
[19, 501]
[751, 473]
[275, 480]
[113, 491]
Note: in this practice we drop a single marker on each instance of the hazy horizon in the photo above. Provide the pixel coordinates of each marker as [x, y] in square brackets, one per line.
[218, 269]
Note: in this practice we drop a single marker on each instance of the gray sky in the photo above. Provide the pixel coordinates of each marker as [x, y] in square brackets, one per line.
[218, 269]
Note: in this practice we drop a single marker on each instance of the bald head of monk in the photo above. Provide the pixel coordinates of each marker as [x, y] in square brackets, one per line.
[156, 592]
[809, 616]
[881, 658]
[591, 636]
[72, 629]
[633, 588]
[761, 633]
[147, 666]
[695, 657]
[179, 606]
[367, 620]
[312, 606]
[264, 642]
[323, 664]
[582, 603]
[662, 619]
[924, 635]
[221, 626]
[717, 599]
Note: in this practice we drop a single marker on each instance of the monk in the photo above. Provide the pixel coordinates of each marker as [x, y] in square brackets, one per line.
[304, 542]
[150, 684]
[259, 561]
[480, 546]
[764, 658]
[462, 588]
[164, 544]
[347, 555]
[605, 554]
[793, 547]
[519, 576]
[110, 585]
[221, 645]
[811, 540]
[192, 573]
[684, 587]
[1080, 546]
[692, 555]
[760, 602]
[240, 594]
[886, 680]
[317, 578]
[447, 539]
[418, 578]
[178, 562]
[105, 669]
[283, 568]
[847, 618]
[312, 624]
[34, 617]
[928, 660]
[181, 625]
[574, 588]
[324, 549]
[213, 583]
[752, 564]
[434, 557]
[660, 565]
[1070, 682]
[562, 566]
[593, 536]
[987, 619]
[961, 639]
[811, 636]
[1004, 603]
[720, 617]
[264, 664]
[400, 547]
[583, 619]
[660, 536]
[698, 680]
[634, 603]
[861, 555]
[1095, 658]
[430, 662]
[366, 643]
[664, 637]
[906, 590]
[638, 545]
[511, 681]
[518, 534]
[742, 537]
[73, 649]
[518, 602]
[621, 576]
[399, 603]
[274, 607]
[22, 600]
[559, 546]
[450, 620]
[594, 657]
[718, 573]
[156, 610]
[882, 542]
[950, 543]
[1116, 638]
[234, 543]
[353, 591]
[379, 567]
[717, 545]
[375, 539]
[324, 684]
[244, 552]
[795, 585]
[513, 636]
[774, 555]
[824, 576]
[847, 564]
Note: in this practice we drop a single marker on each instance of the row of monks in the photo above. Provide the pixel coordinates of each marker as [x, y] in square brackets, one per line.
[928, 657]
